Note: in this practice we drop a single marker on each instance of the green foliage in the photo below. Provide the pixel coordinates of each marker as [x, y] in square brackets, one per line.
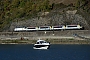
[13, 9]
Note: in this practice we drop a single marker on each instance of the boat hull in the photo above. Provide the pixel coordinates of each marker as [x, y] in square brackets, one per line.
[41, 47]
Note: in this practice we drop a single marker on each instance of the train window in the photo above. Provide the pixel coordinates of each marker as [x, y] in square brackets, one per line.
[71, 26]
[57, 27]
[44, 27]
[30, 28]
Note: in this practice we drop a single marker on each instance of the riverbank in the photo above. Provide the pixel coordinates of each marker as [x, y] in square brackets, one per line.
[54, 37]
[52, 41]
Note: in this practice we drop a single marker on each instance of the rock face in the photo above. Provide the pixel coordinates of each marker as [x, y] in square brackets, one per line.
[60, 17]
[66, 2]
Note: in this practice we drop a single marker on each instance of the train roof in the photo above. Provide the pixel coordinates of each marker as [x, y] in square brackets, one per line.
[71, 25]
[30, 27]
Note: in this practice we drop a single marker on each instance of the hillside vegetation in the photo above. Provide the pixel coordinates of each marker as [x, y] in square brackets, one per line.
[18, 10]
[14, 9]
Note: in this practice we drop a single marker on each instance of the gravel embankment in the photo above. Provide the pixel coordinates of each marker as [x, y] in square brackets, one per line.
[59, 37]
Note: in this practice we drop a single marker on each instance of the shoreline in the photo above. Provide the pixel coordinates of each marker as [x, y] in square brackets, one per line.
[52, 41]
[54, 37]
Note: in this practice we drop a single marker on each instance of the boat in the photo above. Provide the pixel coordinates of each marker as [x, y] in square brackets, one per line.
[41, 44]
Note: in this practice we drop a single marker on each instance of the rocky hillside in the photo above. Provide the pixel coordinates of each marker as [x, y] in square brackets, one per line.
[53, 18]
[56, 12]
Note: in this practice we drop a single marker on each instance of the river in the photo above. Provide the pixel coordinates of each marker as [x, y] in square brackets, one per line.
[56, 52]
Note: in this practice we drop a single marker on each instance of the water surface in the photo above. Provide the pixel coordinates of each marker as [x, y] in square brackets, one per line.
[56, 52]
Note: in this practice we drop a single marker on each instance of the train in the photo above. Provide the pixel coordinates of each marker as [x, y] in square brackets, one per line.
[49, 28]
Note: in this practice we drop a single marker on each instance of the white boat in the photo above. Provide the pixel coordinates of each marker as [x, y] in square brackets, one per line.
[41, 44]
